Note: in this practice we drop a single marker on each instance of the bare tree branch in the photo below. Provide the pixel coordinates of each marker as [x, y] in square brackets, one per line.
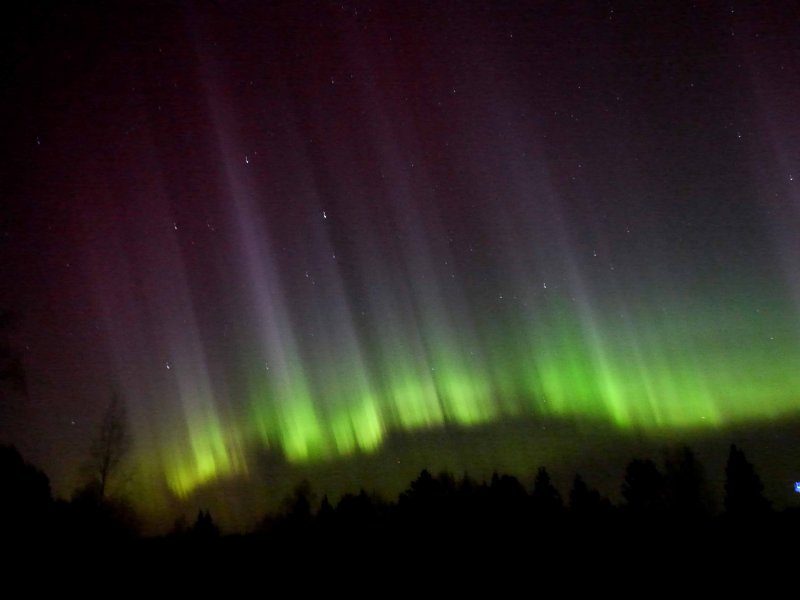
[111, 445]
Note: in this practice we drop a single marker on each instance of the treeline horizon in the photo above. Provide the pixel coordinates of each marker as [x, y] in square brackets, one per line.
[662, 500]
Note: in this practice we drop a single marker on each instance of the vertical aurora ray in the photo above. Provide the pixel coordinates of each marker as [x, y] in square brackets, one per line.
[391, 331]
[654, 381]
[303, 234]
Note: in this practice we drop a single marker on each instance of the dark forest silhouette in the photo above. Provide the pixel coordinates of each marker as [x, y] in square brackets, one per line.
[659, 504]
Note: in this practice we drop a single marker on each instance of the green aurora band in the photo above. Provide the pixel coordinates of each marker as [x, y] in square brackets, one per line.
[346, 293]
[305, 243]
[652, 375]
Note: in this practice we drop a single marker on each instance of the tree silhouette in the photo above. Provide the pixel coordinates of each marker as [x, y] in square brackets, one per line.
[110, 447]
[204, 527]
[545, 496]
[686, 492]
[507, 491]
[744, 492]
[297, 506]
[357, 510]
[585, 501]
[643, 488]
[430, 503]
[423, 486]
[325, 511]
[25, 498]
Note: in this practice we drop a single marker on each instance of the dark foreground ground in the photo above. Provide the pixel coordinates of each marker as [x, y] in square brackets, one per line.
[454, 529]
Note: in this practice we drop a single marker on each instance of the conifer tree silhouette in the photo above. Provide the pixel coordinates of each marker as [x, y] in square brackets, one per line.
[744, 492]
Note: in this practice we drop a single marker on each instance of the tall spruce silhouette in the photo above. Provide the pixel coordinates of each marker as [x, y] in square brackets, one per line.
[545, 496]
[744, 491]
[686, 492]
[643, 488]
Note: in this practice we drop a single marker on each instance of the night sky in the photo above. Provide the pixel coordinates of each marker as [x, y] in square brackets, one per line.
[347, 241]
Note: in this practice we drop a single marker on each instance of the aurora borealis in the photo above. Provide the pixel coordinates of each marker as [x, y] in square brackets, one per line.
[301, 229]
